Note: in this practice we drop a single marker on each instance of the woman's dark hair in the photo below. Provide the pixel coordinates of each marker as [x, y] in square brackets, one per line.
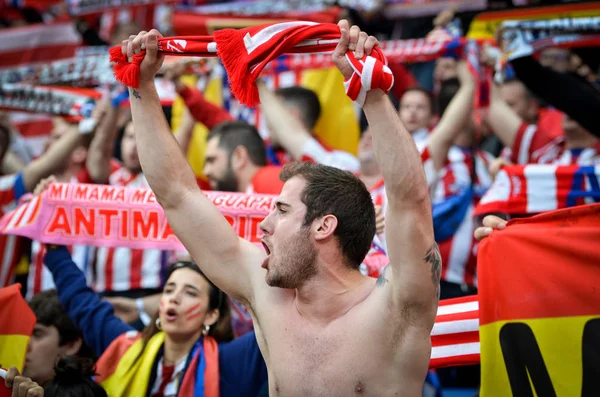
[222, 331]
[74, 379]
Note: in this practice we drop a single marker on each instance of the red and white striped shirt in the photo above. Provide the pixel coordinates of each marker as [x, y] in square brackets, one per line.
[459, 253]
[315, 151]
[455, 334]
[11, 190]
[376, 258]
[40, 279]
[553, 152]
[123, 269]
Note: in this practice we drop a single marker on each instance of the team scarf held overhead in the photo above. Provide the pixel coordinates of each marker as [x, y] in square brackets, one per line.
[523, 38]
[89, 7]
[89, 67]
[246, 52]
[75, 103]
[534, 188]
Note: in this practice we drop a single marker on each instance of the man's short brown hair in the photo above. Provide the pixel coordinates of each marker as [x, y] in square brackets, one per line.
[330, 190]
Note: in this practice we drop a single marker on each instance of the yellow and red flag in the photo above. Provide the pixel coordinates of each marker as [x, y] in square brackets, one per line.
[539, 306]
[16, 326]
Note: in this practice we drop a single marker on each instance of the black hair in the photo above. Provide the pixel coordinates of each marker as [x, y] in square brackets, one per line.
[305, 100]
[73, 379]
[232, 134]
[49, 311]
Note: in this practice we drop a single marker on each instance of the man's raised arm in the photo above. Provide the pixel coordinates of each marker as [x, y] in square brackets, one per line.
[231, 263]
[414, 270]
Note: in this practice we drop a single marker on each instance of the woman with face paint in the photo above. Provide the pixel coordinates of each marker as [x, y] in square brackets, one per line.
[186, 351]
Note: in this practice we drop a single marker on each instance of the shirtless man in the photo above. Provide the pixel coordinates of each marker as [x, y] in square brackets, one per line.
[323, 328]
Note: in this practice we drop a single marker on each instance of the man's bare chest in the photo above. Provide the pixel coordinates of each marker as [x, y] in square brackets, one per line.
[341, 359]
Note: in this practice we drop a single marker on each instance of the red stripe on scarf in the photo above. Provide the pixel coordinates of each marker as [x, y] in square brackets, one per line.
[263, 44]
[211, 373]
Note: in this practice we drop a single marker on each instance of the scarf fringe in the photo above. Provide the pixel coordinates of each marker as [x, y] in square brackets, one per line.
[236, 63]
[128, 73]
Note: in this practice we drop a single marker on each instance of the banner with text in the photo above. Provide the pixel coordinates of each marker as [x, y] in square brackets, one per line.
[112, 216]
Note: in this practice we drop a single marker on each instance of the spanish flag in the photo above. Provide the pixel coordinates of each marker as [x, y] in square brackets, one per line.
[337, 127]
[539, 308]
[16, 326]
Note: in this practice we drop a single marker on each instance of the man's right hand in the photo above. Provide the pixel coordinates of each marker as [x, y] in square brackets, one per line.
[21, 385]
[490, 223]
[152, 60]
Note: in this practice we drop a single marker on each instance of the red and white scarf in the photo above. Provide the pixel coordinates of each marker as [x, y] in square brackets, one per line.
[523, 38]
[534, 188]
[246, 52]
[37, 44]
[59, 101]
[90, 7]
[89, 67]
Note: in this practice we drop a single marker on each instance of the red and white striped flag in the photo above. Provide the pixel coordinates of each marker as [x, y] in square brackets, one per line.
[455, 334]
[35, 129]
[37, 44]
